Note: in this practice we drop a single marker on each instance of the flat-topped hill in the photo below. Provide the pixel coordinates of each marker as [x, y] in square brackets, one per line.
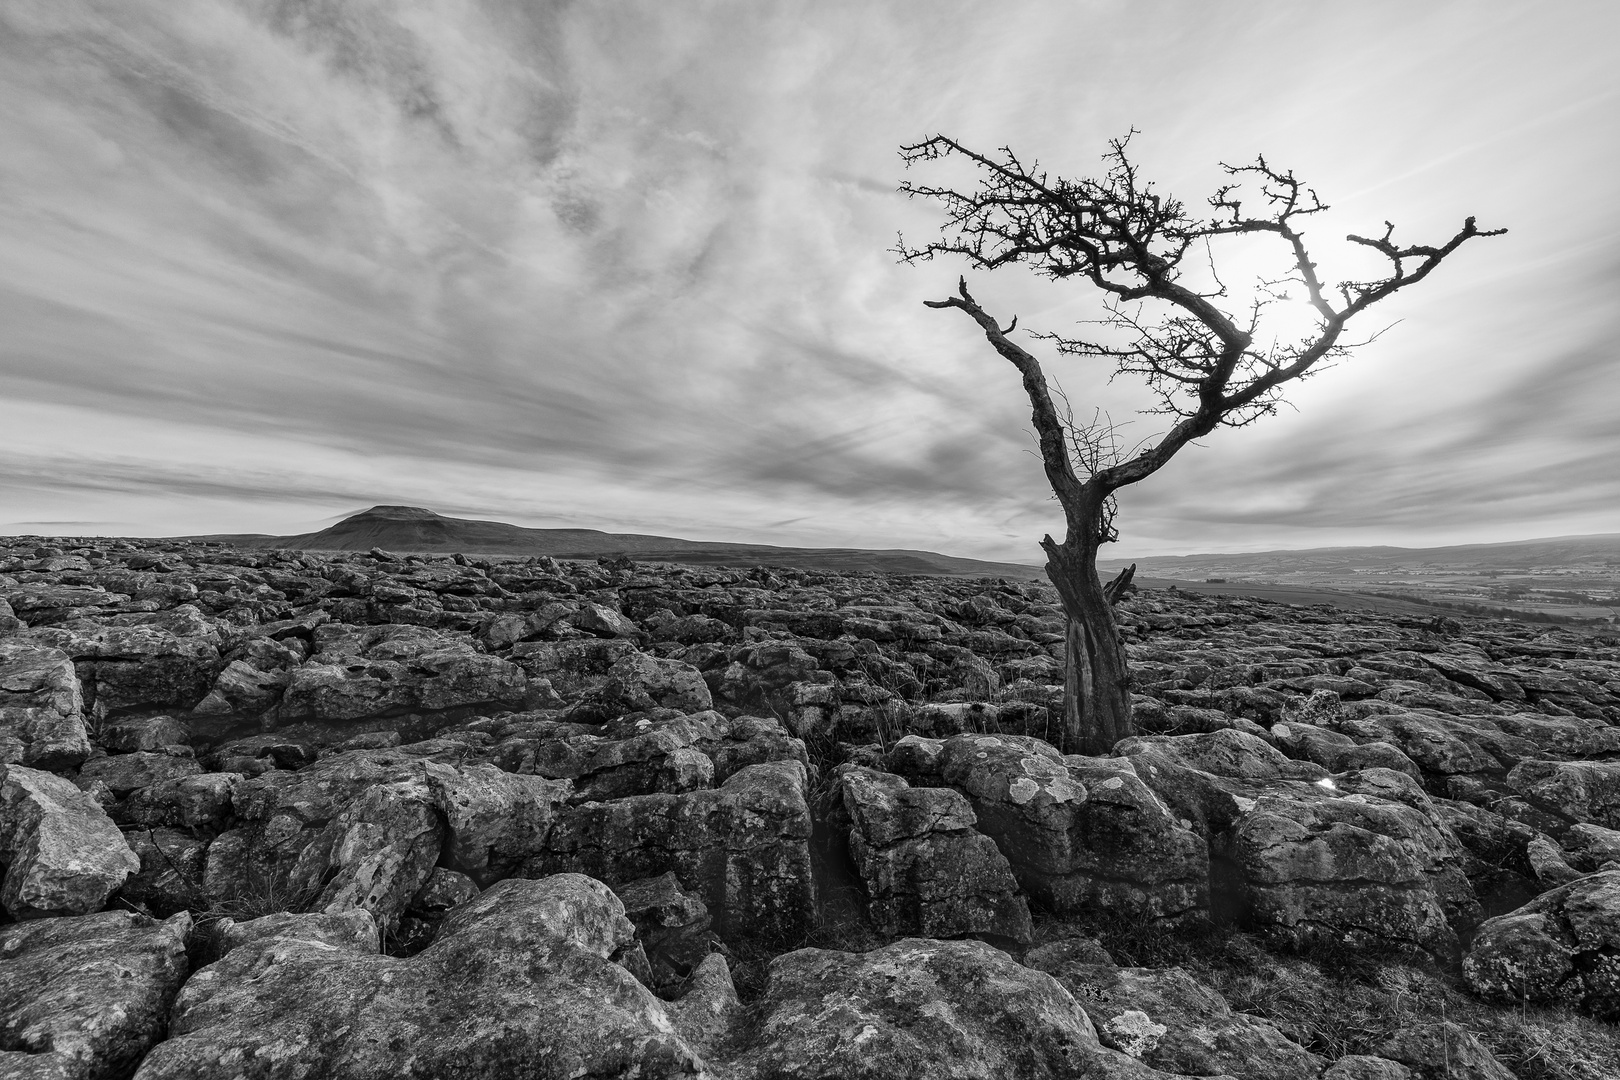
[413, 529]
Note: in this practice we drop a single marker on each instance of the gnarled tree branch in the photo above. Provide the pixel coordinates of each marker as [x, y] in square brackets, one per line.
[1130, 243]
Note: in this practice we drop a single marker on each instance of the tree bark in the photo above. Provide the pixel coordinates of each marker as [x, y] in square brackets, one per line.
[1096, 692]
[1097, 699]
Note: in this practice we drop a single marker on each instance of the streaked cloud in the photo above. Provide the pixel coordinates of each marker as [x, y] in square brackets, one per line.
[625, 265]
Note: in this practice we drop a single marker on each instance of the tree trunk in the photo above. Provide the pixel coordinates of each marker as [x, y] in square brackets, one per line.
[1096, 686]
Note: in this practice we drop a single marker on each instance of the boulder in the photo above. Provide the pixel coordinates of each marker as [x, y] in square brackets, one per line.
[1547, 862]
[255, 754]
[1136, 856]
[1562, 736]
[762, 671]
[1079, 832]
[83, 998]
[1564, 944]
[1577, 791]
[41, 708]
[1305, 861]
[1133, 1033]
[1315, 867]
[279, 814]
[747, 740]
[443, 890]
[1022, 793]
[63, 854]
[367, 671]
[644, 753]
[1197, 1033]
[129, 734]
[199, 802]
[242, 689]
[1597, 844]
[375, 854]
[709, 1011]
[671, 924]
[1494, 854]
[40, 603]
[571, 666]
[1440, 745]
[519, 982]
[917, 759]
[1320, 708]
[743, 847]
[123, 668]
[1337, 752]
[268, 653]
[949, 1009]
[494, 820]
[603, 622]
[350, 931]
[649, 758]
[944, 719]
[1227, 752]
[1377, 755]
[124, 774]
[639, 681]
[1308, 742]
[927, 871]
[690, 629]
[1476, 671]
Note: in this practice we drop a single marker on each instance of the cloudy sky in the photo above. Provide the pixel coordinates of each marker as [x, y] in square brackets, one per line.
[626, 265]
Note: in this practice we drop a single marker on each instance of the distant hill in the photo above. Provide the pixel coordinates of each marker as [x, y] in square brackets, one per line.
[1558, 551]
[413, 529]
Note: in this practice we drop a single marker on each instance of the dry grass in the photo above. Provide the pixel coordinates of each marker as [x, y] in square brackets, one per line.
[260, 893]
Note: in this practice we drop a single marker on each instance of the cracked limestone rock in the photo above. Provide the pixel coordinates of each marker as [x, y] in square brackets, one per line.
[672, 926]
[743, 847]
[957, 1010]
[927, 871]
[375, 854]
[124, 667]
[1174, 1022]
[1079, 832]
[493, 819]
[63, 854]
[41, 708]
[1564, 944]
[519, 982]
[82, 998]
[1308, 861]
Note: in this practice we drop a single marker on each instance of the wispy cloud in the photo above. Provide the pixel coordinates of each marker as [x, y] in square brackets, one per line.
[627, 264]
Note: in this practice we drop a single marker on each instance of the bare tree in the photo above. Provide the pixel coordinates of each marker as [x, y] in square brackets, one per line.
[1207, 366]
